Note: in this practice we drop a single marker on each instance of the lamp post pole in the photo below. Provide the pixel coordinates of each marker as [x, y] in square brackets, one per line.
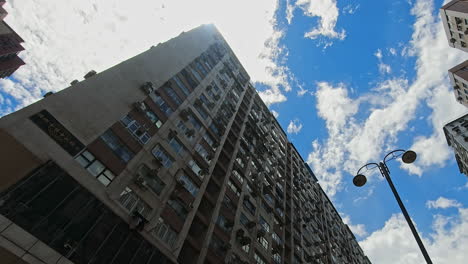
[385, 172]
[407, 157]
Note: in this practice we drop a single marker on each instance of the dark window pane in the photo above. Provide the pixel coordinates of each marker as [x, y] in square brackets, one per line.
[112, 245]
[128, 250]
[143, 253]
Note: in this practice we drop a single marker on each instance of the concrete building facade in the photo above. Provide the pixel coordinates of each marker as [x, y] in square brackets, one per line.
[168, 157]
[454, 16]
[456, 134]
[459, 79]
[10, 46]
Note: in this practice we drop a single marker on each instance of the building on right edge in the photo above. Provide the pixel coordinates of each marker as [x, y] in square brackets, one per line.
[456, 133]
[459, 78]
[454, 16]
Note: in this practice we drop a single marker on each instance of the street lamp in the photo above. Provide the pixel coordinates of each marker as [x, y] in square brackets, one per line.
[407, 156]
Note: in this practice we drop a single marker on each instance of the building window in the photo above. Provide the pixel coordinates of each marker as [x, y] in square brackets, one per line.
[152, 117]
[165, 233]
[195, 168]
[249, 206]
[258, 259]
[246, 248]
[277, 258]
[163, 156]
[203, 152]
[228, 203]
[183, 128]
[233, 188]
[200, 67]
[201, 111]
[243, 219]
[196, 124]
[276, 238]
[159, 101]
[238, 176]
[181, 85]
[176, 145]
[135, 129]
[264, 224]
[150, 179]
[95, 167]
[196, 74]
[263, 241]
[173, 95]
[209, 139]
[189, 185]
[223, 223]
[114, 143]
[133, 203]
[240, 162]
[179, 207]
[189, 79]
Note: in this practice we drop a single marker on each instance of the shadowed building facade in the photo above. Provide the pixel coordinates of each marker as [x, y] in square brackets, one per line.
[168, 157]
[10, 46]
[456, 134]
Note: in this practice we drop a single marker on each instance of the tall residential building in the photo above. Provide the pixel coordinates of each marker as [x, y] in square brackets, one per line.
[456, 133]
[10, 46]
[454, 16]
[168, 157]
[459, 78]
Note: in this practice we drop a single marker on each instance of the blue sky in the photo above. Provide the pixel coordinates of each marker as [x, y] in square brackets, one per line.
[349, 81]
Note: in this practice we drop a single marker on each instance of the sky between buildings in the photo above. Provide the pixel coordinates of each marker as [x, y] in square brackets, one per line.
[348, 80]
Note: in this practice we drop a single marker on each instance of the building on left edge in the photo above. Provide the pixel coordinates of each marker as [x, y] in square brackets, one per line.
[10, 46]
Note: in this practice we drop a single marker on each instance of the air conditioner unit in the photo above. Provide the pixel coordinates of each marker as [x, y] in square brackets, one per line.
[148, 87]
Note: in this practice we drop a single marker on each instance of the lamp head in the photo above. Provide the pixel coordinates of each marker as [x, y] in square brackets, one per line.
[409, 156]
[359, 180]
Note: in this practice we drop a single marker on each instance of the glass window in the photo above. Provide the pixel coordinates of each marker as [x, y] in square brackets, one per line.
[181, 85]
[238, 176]
[183, 128]
[179, 207]
[172, 94]
[233, 188]
[165, 233]
[209, 139]
[243, 219]
[200, 67]
[258, 259]
[159, 101]
[194, 121]
[189, 185]
[196, 74]
[189, 79]
[276, 238]
[264, 224]
[114, 143]
[203, 152]
[195, 168]
[201, 111]
[162, 154]
[151, 179]
[246, 248]
[95, 167]
[135, 129]
[177, 146]
[249, 206]
[133, 203]
[263, 241]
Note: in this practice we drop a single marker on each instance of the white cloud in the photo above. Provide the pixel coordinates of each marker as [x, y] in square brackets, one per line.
[327, 13]
[394, 244]
[350, 9]
[358, 230]
[350, 135]
[443, 203]
[378, 54]
[393, 51]
[275, 114]
[384, 68]
[294, 127]
[66, 39]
